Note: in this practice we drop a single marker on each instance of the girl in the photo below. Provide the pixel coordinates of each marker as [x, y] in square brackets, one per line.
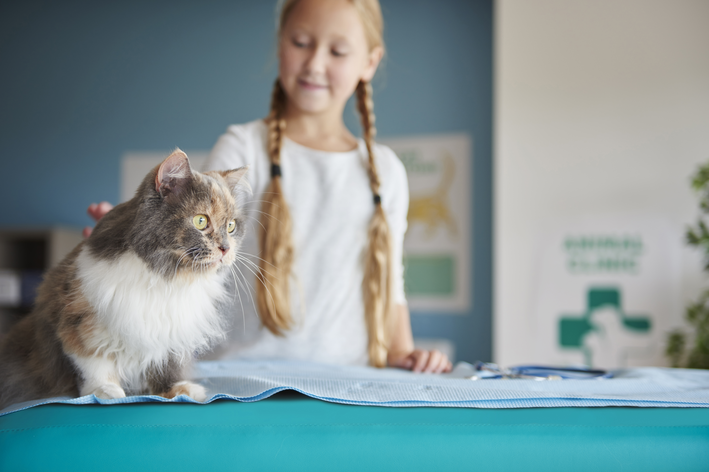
[329, 281]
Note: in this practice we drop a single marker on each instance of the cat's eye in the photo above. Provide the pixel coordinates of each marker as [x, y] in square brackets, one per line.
[231, 226]
[200, 221]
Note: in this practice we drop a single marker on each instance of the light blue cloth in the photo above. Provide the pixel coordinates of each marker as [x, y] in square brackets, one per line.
[250, 381]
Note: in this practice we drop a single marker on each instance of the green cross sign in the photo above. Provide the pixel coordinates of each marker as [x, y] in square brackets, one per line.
[573, 328]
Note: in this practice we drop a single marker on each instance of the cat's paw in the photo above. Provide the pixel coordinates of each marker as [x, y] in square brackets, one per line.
[109, 391]
[192, 390]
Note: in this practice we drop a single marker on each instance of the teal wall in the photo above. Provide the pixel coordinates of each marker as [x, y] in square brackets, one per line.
[82, 82]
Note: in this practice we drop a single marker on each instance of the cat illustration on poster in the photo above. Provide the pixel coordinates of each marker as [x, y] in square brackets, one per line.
[433, 209]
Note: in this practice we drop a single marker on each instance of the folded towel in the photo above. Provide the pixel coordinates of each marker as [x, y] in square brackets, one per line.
[249, 381]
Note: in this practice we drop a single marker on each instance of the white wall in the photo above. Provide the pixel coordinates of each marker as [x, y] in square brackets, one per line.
[602, 108]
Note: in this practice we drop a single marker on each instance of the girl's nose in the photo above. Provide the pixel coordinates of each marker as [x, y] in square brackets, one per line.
[316, 61]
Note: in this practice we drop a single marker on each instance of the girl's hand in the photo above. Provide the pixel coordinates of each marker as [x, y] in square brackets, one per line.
[419, 360]
[96, 211]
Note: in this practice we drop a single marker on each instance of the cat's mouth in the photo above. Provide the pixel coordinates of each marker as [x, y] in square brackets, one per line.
[210, 261]
[214, 263]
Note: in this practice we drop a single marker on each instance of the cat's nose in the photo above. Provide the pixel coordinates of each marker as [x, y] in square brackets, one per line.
[224, 248]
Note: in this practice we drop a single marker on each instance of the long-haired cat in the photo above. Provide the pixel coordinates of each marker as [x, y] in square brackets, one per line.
[128, 308]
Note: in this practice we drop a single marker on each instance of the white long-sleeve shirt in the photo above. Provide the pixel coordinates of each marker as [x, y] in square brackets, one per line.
[331, 205]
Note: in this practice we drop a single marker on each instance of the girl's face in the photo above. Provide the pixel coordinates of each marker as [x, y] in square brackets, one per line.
[323, 55]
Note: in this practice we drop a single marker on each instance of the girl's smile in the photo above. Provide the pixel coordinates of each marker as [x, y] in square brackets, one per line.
[311, 86]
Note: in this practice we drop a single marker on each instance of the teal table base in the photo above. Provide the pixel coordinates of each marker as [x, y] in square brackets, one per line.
[293, 432]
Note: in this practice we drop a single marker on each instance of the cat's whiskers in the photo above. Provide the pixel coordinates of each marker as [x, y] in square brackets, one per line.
[268, 193]
[250, 264]
[256, 257]
[258, 201]
[271, 216]
[236, 286]
[246, 282]
[194, 261]
[251, 202]
[200, 256]
[184, 254]
[238, 292]
[250, 219]
[261, 279]
[204, 261]
[200, 261]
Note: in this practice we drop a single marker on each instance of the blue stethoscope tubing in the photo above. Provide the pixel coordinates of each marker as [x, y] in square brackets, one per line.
[543, 372]
[576, 373]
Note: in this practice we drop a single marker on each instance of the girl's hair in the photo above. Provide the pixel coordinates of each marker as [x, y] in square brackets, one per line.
[276, 241]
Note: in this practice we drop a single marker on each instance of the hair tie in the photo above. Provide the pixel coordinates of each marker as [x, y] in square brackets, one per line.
[275, 170]
[377, 199]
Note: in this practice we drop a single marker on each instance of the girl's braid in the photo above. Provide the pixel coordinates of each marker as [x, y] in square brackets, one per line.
[377, 283]
[272, 294]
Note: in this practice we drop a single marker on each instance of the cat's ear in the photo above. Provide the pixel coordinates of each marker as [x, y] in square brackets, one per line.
[237, 178]
[173, 174]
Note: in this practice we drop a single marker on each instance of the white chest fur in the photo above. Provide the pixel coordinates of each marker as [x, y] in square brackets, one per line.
[143, 318]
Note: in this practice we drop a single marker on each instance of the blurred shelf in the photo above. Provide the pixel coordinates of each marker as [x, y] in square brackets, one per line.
[26, 253]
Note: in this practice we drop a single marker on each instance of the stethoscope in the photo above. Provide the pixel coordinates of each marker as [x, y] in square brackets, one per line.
[488, 370]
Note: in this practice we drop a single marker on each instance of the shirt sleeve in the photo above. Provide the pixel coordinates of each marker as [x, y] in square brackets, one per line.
[396, 206]
[234, 149]
[229, 152]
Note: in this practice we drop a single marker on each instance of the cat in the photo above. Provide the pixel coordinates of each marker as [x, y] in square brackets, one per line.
[129, 307]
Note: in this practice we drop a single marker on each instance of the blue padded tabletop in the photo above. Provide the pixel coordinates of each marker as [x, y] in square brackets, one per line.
[292, 432]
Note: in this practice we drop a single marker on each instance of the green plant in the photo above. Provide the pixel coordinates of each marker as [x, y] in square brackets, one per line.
[678, 350]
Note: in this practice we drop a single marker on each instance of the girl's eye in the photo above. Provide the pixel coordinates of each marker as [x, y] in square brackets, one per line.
[231, 226]
[299, 44]
[200, 222]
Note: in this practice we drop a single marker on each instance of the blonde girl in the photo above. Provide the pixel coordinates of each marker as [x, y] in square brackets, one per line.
[331, 208]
